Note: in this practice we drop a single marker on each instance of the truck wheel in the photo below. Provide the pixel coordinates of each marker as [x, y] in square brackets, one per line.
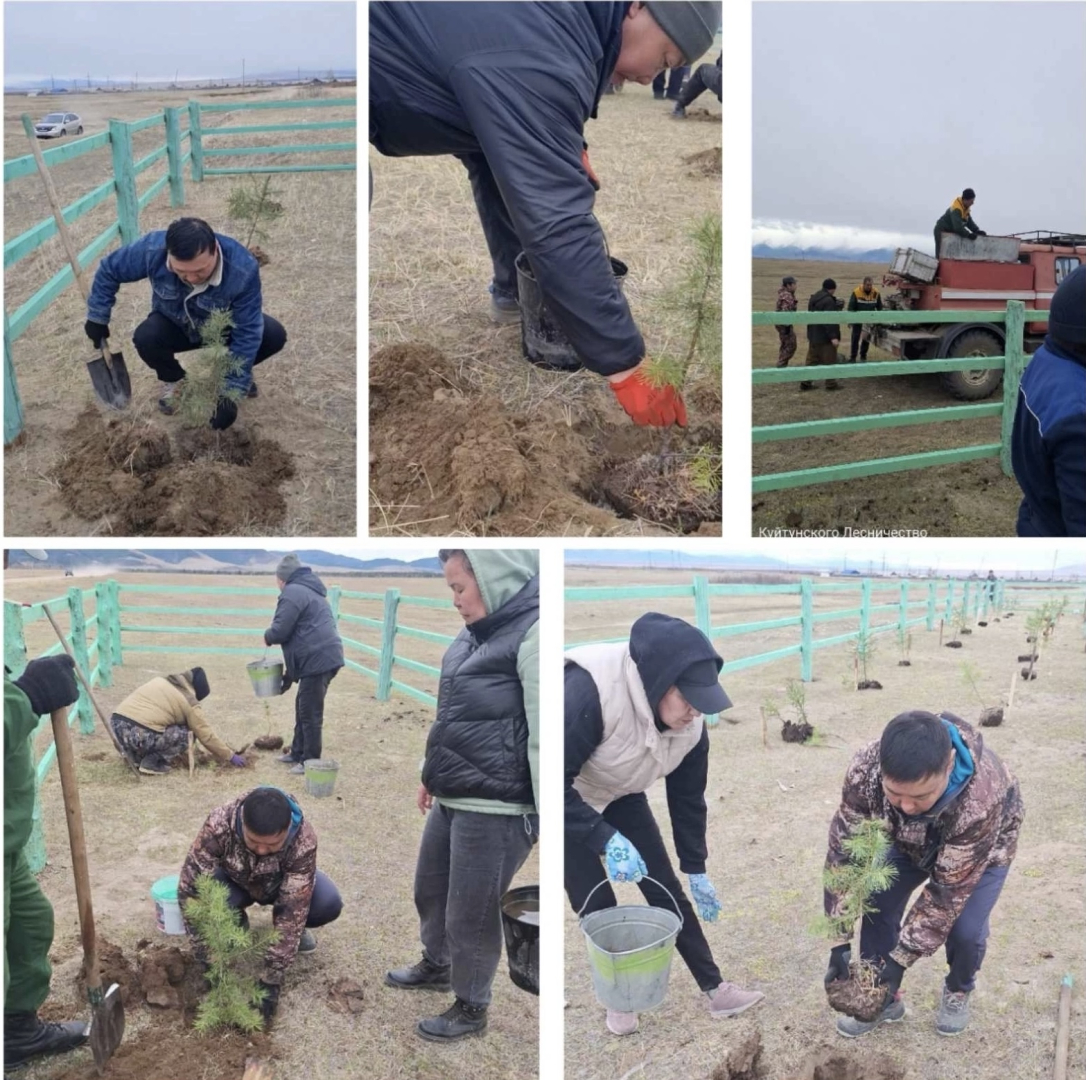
[974, 385]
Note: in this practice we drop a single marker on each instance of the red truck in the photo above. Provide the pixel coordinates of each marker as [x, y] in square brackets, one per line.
[978, 275]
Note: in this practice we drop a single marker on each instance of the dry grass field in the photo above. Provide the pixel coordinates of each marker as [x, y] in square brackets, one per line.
[769, 809]
[478, 441]
[971, 499]
[140, 830]
[307, 392]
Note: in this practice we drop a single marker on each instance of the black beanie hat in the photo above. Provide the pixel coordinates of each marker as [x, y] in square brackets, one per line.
[200, 686]
[969, 193]
[829, 283]
[1067, 312]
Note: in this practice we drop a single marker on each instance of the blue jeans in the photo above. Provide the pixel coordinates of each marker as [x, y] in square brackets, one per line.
[967, 943]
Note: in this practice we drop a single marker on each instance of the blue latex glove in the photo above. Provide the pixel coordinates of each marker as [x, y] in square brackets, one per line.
[624, 862]
[237, 761]
[701, 889]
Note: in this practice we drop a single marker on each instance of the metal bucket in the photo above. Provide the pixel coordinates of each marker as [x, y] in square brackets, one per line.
[520, 926]
[629, 951]
[266, 677]
[320, 776]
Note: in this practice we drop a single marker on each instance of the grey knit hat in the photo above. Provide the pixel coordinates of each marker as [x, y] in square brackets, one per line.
[287, 565]
[691, 26]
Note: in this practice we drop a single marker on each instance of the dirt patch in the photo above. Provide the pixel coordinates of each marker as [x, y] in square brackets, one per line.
[991, 717]
[704, 116]
[796, 733]
[101, 755]
[134, 479]
[269, 742]
[114, 967]
[346, 996]
[953, 645]
[860, 995]
[705, 162]
[261, 256]
[869, 684]
[744, 1062]
[904, 663]
[835, 1065]
[1027, 674]
[448, 458]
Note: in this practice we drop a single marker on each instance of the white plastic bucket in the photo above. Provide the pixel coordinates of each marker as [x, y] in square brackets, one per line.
[167, 909]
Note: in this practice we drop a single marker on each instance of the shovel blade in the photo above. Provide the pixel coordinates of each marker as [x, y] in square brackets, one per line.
[106, 1027]
[111, 383]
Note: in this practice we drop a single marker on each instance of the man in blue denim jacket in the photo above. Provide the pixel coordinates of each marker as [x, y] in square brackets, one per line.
[193, 271]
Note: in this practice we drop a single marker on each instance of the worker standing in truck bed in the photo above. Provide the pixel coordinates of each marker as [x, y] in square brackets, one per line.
[958, 219]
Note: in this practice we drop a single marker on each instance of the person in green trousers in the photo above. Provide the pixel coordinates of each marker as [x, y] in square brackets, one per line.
[45, 685]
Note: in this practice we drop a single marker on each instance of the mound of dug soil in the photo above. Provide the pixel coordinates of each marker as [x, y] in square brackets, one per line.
[346, 996]
[445, 457]
[836, 1065]
[130, 475]
[269, 742]
[744, 1062]
[797, 733]
[704, 116]
[705, 163]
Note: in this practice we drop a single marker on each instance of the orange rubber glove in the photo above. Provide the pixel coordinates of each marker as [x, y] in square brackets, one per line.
[648, 405]
[593, 178]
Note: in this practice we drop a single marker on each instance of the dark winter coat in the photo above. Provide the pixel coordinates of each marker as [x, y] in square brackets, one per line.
[823, 333]
[508, 88]
[304, 626]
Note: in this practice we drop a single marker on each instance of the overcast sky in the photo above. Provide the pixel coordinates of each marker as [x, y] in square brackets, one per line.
[870, 117]
[199, 40]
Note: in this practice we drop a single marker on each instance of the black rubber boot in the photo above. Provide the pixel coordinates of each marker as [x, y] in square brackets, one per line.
[27, 1037]
[457, 1022]
[421, 976]
[154, 765]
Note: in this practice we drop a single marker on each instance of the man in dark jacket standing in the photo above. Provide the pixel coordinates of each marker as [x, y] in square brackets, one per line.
[507, 89]
[1048, 443]
[958, 219]
[823, 338]
[312, 651]
[864, 297]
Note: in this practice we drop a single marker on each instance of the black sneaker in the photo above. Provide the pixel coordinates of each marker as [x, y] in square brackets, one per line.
[27, 1037]
[457, 1022]
[154, 765]
[252, 391]
[421, 976]
[832, 384]
[806, 385]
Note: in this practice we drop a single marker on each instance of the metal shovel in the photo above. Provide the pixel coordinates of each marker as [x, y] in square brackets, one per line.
[108, 373]
[107, 1011]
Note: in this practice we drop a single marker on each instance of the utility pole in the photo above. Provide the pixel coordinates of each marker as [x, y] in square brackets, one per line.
[243, 71]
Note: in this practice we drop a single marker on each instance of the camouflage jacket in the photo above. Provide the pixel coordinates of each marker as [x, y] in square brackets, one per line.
[284, 879]
[977, 828]
[786, 300]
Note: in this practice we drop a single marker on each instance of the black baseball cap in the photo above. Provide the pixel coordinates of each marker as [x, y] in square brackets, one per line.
[700, 685]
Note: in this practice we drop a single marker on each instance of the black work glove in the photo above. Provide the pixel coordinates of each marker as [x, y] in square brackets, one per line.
[288, 682]
[49, 684]
[840, 958]
[890, 977]
[226, 412]
[270, 1002]
[981, 232]
[96, 331]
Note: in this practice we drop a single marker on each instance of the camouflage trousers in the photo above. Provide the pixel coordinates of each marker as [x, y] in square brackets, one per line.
[787, 350]
[139, 742]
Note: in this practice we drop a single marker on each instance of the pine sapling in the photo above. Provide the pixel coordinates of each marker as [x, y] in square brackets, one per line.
[905, 644]
[232, 999]
[863, 652]
[205, 383]
[799, 730]
[253, 206]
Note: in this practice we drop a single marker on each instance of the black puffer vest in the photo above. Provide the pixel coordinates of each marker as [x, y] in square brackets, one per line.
[478, 745]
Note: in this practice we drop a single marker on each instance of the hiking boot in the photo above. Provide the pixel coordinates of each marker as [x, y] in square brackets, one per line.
[832, 384]
[504, 308]
[621, 1023]
[154, 765]
[286, 759]
[678, 113]
[307, 943]
[852, 1028]
[729, 1000]
[457, 1022]
[27, 1037]
[297, 769]
[168, 394]
[806, 385]
[424, 975]
[252, 391]
[953, 1016]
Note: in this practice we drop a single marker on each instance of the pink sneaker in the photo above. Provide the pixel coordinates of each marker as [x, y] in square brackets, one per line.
[729, 1000]
[621, 1023]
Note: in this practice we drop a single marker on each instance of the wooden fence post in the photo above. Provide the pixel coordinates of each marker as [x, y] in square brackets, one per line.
[388, 644]
[124, 177]
[13, 403]
[14, 640]
[174, 156]
[78, 621]
[196, 145]
[115, 621]
[1013, 366]
[806, 630]
[103, 634]
[931, 605]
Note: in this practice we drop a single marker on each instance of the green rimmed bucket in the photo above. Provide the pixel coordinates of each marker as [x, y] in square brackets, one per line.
[630, 948]
[320, 776]
[266, 677]
[167, 909]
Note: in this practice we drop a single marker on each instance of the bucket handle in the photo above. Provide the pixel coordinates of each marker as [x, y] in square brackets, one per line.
[644, 877]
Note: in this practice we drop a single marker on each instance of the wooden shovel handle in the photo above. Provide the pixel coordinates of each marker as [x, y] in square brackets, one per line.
[62, 737]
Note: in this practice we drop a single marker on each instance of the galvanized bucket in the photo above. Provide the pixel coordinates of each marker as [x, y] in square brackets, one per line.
[629, 951]
[320, 776]
[266, 677]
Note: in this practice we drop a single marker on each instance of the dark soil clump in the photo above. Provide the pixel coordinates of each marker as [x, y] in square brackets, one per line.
[981, 623]
[1028, 675]
[836, 1065]
[128, 476]
[1025, 658]
[269, 742]
[965, 630]
[991, 717]
[869, 684]
[114, 967]
[704, 116]
[904, 663]
[261, 256]
[705, 163]
[744, 1062]
[797, 733]
[953, 645]
[658, 488]
[860, 995]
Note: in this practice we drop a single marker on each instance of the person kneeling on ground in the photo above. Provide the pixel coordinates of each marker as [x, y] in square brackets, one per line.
[633, 714]
[312, 652]
[707, 77]
[193, 271]
[153, 723]
[953, 811]
[480, 784]
[263, 849]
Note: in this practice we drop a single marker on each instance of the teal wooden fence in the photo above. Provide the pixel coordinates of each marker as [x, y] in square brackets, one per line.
[1012, 364]
[120, 621]
[908, 602]
[122, 187]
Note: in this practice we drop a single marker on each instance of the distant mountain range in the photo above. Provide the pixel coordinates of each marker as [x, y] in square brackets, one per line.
[875, 255]
[242, 560]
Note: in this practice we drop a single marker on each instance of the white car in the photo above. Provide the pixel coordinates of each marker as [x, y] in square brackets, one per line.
[57, 124]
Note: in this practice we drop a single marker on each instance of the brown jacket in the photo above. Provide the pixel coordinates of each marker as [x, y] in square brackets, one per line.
[977, 828]
[166, 702]
[284, 879]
